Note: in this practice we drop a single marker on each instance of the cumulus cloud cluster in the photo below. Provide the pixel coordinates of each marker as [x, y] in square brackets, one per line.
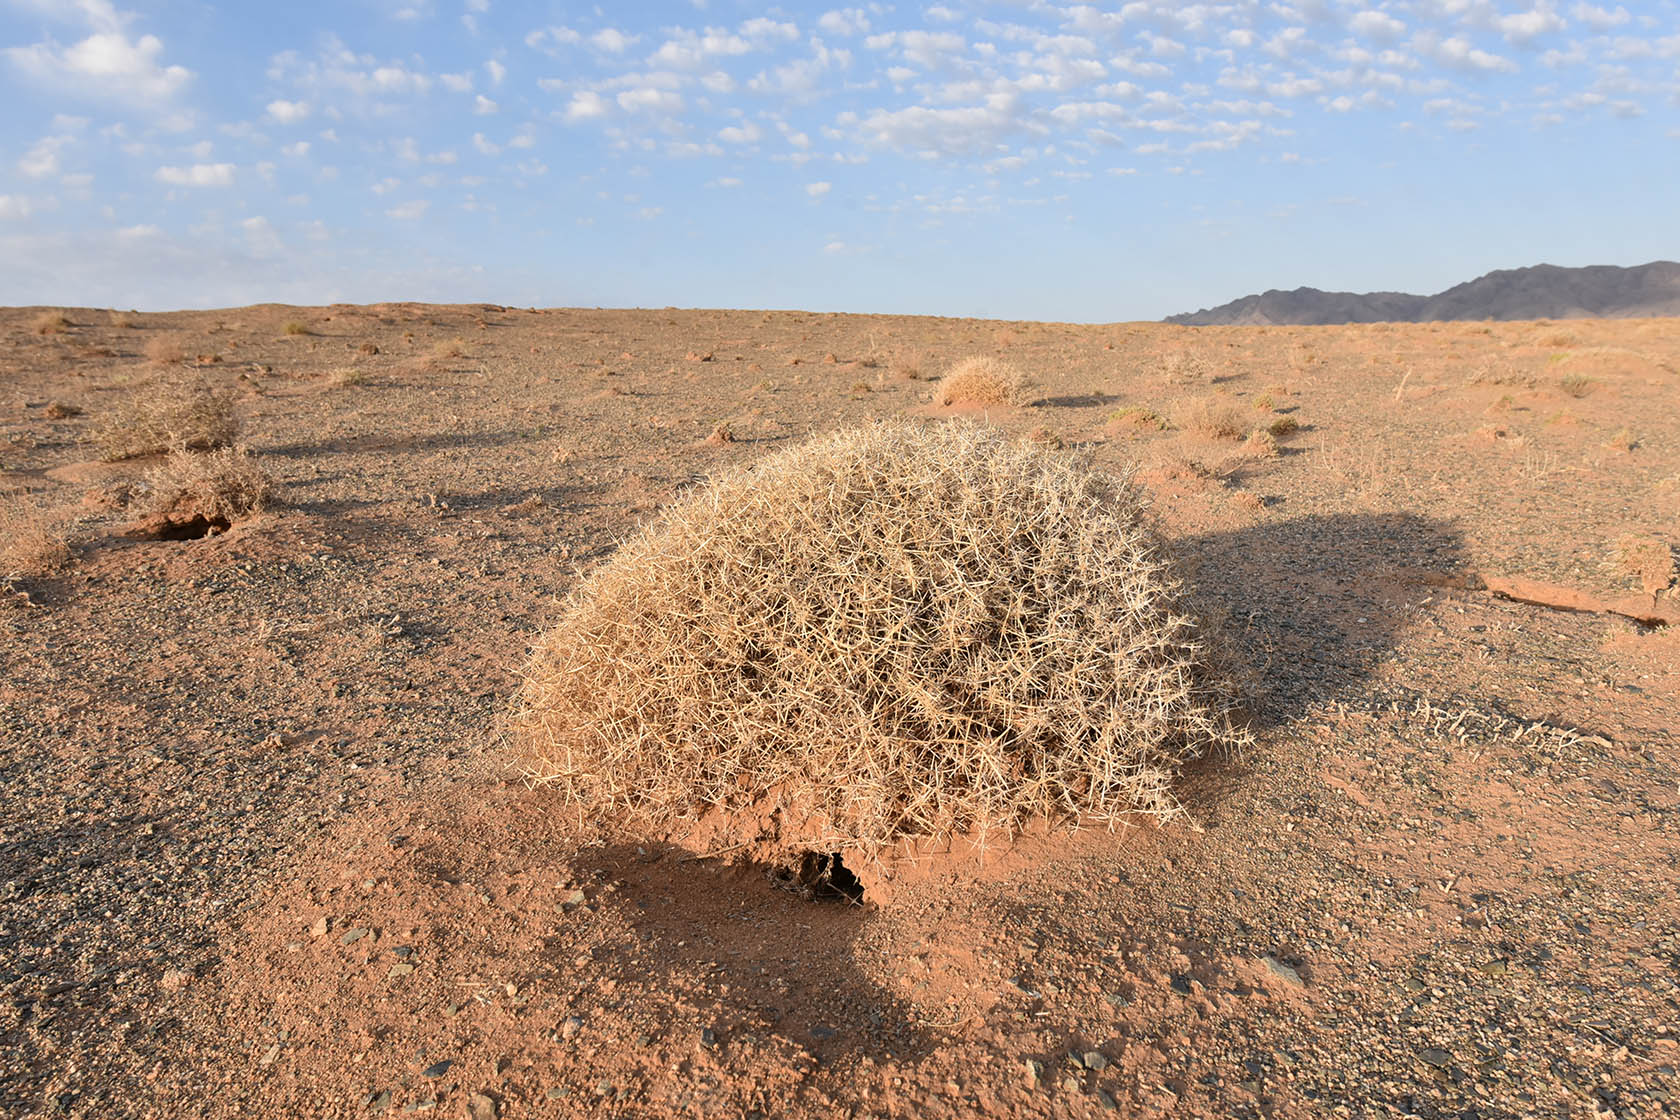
[1007, 105]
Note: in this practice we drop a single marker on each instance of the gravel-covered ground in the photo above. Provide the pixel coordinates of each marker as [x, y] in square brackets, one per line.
[259, 852]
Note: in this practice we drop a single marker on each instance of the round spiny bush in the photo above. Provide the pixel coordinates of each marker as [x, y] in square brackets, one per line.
[889, 632]
[983, 380]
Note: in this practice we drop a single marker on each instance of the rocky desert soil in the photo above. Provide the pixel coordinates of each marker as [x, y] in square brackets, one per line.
[261, 854]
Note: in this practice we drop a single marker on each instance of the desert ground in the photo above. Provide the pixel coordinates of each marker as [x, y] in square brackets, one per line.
[262, 851]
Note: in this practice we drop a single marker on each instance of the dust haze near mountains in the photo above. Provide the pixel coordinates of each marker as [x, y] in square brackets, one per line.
[1542, 291]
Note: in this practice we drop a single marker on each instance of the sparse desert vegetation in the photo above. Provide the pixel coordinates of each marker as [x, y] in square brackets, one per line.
[194, 493]
[51, 322]
[1212, 418]
[1030, 703]
[271, 767]
[984, 380]
[166, 415]
[32, 538]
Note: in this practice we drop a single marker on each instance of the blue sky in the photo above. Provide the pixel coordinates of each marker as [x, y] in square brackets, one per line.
[1014, 160]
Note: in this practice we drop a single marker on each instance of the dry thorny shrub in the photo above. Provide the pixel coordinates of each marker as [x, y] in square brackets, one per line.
[1213, 418]
[168, 416]
[32, 541]
[1647, 559]
[889, 632]
[193, 494]
[984, 380]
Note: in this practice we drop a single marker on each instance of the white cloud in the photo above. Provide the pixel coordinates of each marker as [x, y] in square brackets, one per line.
[483, 106]
[650, 99]
[14, 207]
[748, 133]
[485, 145]
[261, 237]
[1457, 53]
[288, 112]
[456, 83]
[817, 190]
[41, 160]
[587, 105]
[724, 182]
[107, 64]
[1600, 19]
[546, 39]
[965, 130]
[496, 71]
[612, 40]
[1521, 27]
[1377, 25]
[197, 175]
[844, 21]
[408, 211]
[297, 150]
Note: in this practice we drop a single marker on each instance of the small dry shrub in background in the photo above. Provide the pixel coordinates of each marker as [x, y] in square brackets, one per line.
[450, 348]
[124, 320]
[1214, 419]
[62, 410]
[1576, 385]
[984, 380]
[1648, 559]
[205, 491]
[1283, 427]
[165, 350]
[1260, 444]
[1136, 416]
[905, 367]
[722, 433]
[167, 416]
[51, 322]
[1180, 367]
[296, 329]
[346, 376]
[1047, 437]
[32, 539]
[887, 632]
[1621, 439]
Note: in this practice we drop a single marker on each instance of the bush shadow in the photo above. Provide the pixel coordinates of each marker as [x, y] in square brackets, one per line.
[784, 964]
[1304, 610]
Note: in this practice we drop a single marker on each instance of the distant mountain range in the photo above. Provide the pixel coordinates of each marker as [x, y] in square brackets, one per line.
[1542, 292]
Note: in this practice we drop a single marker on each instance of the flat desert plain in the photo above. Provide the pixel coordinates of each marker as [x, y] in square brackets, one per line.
[262, 853]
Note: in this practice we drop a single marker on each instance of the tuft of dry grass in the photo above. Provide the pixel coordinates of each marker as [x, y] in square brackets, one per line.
[165, 416]
[905, 367]
[32, 539]
[722, 433]
[1648, 559]
[1576, 385]
[1213, 418]
[165, 350]
[1047, 437]
[1283, 427]
[1136, 416]
[1622, 439]
[1180, 367]
[346, 376]
[1260, 444]
[450, 348]
[51, 322]
[984, 380]
[880, 633]
[368, 348]
[215, 488]
[297, 329]
[62, 410]
[124, 320]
